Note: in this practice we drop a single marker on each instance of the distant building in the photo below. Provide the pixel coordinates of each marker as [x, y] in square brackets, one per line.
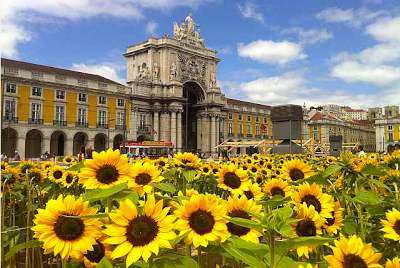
[391, 111]
[387, 130]
[355, 114]
[375, 113]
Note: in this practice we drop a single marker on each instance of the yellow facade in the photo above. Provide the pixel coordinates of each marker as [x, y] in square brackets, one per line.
[48, 105]
[71, 107]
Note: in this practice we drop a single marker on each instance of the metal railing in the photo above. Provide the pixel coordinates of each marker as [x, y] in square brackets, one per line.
[121, 127]
[35, 121]
[10, 119]
[60, 123]
[143, 129]
[101, 125]
[81, 124]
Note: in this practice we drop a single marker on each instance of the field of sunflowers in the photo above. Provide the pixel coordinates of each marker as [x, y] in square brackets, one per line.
[256, 211]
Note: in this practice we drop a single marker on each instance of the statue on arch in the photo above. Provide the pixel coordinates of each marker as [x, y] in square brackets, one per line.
[186, 30]
[190, 24]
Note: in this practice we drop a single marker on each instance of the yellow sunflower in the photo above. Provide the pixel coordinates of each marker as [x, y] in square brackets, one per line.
[313, 195]
[9, 177]
[65, 235]
[36, 175]
[46, 165]
[256, 157]
[353, 253]
[333, 225]
[254, 192]
[187, 160]
[234, 209]
[274, 187]
[205, 169]
[4, 165]
[56, 173]
[309, 226]
[68, 178]
[92, 258]
[162, 162]
[395, 263]
[215, 169]
[69, 160]
[233, 179]
[392, 225]
[143, 176]
[331, 160]
[106, 169]
[25, 166]
[248, 160]
[140, 234]
[297, 170]
[202, 220]
[253, 169]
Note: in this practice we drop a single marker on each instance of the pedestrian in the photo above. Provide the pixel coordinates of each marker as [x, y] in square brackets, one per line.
[360, 151]
[17, 157]
[88, 152]
[397, 147]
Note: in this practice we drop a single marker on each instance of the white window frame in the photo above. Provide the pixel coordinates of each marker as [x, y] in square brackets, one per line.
[56, 117]
[120, 120]
[101, 98]
[102, 117]
[248, 118]
[249, 129]
[31, 112]
[257, 130]
[16, 88]
[63, 94]
[142, 120]
[6, 100]
[240, 117]
[240, 127]
[230, 128]
[79, 115]
[230, 116]
[33, 90]
[118, 102]
[83, 94]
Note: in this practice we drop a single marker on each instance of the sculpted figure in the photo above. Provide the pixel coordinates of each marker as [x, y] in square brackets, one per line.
[212, 80]
[173, 71]
[156, 71]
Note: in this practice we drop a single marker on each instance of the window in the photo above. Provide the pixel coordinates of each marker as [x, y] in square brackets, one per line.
[82, 97]
[257, 119]
[258, 130]
[102, 100]
[60, 94]
[9, 109]
[120, 102]
[315, 128]
[37, 91]
[248, 129]
[240, 129]
[390, 136]
[36, 107]
[60, 113]
[265, 120]
[142, 122]
[81, 116]
[102, 117]
[120, 119]
[315, 136]
[390, 127]
[11, 88]
[240, 117]
[230, 128]
[230, 116]
[249, 118]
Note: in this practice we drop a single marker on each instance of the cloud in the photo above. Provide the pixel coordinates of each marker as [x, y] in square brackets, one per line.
[353, 18]
[151, 28]
[19, 16]
[385, 29]
[249, 10]
[225, 50]
[103, 69]
[271, 52]
[309, 36]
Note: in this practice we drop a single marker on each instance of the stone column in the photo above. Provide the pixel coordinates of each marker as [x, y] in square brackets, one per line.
[218, 129]
[69, 146]
[45, 145]
[21, 146]
[163, 126]
[168, 126]
[173, 128]
[179, 130]
[133, 123]
[156, 125]
[199, 133]
[213, 136]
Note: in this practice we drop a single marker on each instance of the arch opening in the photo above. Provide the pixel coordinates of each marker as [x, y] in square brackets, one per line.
[79, 143]
[117, 141]
[57, 143]
[33, 143]
[9, 138]
[100, 142]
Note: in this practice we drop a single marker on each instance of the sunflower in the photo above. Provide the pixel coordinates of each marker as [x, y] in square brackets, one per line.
[269, 166]
[56, 173]
[68, 178]
[187, 160]
[395, 263]
[259, 178]
[234, 161]
[277, 187]
[308, 266]
[106, 169]
[36, 175]
[331, 160]
[312, 195]
[25, 166]
[353, 253]
[233, 179]
[248, 160]
[9, 177]
[256, 157]
[254, 192]
[333, 225]
[206, 169]
[140, 234]
[161, 162]
[143, 176]
[309, 226]
[92, 258]
[297, 170]
[202, 220]
[47, 165]
[215, 169]
[69, 160]
[392, 225]
[65, 235]
[4, 165]
[234, 209]
[261, 162]
[253, 169]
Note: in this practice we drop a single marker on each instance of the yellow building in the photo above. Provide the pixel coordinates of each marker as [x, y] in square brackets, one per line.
[387, 132]
[47, 109]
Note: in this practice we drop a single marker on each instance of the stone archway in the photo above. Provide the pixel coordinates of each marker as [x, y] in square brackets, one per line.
[117, 141]
[57, 143]
[33, 143]
[100, 142]
[79, 143]
[9, 137]
[194, 94]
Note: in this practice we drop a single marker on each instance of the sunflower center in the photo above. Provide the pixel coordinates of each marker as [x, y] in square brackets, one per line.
[331, 221]
[57, 174]
[353, 261]
[277, 191]
[143, 179]
[69, 228]
[253, 169]
[269, 166]
[232, 180]
[202, 222]
[68, 160]
[312, 200]
[205, 170]
[296, 174]
[69, 179]
[396, 227]
[141, 231]
[107, 174]
[249, 194]
[215, 171]
[236, 229]
[306, 227]
[161, 163]
[244, 167]
[96, 254]
[185, 161]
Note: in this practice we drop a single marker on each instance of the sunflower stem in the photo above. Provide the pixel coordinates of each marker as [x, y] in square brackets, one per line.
[360, 214]
[223, 259]
[109, 204]
[272, 247]
[184, 186]
[65, 263]
[188, 250]
[199, 255]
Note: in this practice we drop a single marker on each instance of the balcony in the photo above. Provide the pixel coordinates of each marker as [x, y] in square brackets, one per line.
[10, 119]
[143, 130]
[35, 121]
[257, 136]
[81, 124]
[249, 135]
[121, 127]
[60, 123]
[230, 134]
[102, 125]
[240, 135]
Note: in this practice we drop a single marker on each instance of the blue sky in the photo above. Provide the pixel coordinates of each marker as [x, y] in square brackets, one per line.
[271, 51]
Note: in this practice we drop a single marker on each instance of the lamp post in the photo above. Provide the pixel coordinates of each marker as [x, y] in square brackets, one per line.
[108, 132]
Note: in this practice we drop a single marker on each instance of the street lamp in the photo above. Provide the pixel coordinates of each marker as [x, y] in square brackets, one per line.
[108, 132]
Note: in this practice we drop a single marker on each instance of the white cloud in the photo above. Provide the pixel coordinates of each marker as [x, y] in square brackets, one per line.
[249, 10]
[103, 69]
[151, 28]
[225, 50]
[354, 18]
[385, 29]
[309, 36]
[18, 15]
[271, 52]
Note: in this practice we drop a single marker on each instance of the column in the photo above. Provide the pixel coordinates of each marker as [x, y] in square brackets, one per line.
[179, 129]
[156, 125]
[21, 146]
[213, 138]
[133, 124]
[173, 128]
[218, 128]
[199, 133]
[69, 146]
[45, 145]
[168, 126]
[205, 139]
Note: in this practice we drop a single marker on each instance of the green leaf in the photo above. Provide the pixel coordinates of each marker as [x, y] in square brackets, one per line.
[104, 263]
[127, 194]
[97, 194]
[189, 175]
[373, 171]
[240, 243]
[382, 185]
[76, 167]
[246, 256]
[166, 187]
[245, 223]
[14, 250]
[98, 215]
[175, 261]
[296, 242]
[331, 170]
[275, 201]
[350, 227]
[286, 230]
[367, 199]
